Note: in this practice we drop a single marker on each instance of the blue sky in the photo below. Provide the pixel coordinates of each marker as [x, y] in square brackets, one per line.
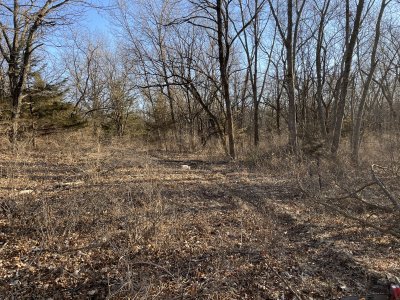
[92, 23]
[97, 21]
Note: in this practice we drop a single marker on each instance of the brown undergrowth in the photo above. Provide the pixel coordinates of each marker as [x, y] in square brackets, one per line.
[83, 221]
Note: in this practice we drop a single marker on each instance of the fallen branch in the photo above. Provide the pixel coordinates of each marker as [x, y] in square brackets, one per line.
[361, 221]
[394, 201]
[346, 214]
[354, 195]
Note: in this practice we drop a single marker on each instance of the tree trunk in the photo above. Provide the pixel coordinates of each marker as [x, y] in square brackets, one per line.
[348, 55]
[223, 59]
[356, 138]
[320, 101]
[256, 102]
[197, 96]
[16, 110]
[256, 124]
[278, 114]
[289, 78]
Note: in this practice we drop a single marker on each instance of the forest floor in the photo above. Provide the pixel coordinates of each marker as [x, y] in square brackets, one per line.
[124, 223]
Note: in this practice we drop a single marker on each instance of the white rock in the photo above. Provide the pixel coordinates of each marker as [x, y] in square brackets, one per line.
[25, 192]
[68, 184]
[92, 292]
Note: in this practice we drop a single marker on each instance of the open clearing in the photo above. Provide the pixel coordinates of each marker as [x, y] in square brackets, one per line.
[124, 223]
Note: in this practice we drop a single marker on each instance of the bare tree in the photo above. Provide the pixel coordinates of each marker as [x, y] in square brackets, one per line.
[356, 138]
[350, 42]
[120, 91]
[22, 28]
[319, 65]
[217, 18]
[388, 71]
[251, 41]
[84, 64]
[290, 41]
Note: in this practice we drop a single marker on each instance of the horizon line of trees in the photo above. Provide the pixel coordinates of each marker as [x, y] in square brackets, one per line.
[234, 71]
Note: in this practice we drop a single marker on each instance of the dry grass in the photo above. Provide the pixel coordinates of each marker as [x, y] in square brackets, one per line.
[86, 221]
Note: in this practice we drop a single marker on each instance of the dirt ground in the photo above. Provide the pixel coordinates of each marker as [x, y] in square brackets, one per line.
[123, 223]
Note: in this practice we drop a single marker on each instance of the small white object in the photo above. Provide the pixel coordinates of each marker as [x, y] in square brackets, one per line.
[69, 184]
[92, 292]
[185, 167]
[25, 192]
[79, 182]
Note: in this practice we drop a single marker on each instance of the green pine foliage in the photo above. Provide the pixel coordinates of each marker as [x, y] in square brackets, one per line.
[44, 109]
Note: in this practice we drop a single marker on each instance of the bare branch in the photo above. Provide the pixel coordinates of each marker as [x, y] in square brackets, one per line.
[394, 201]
